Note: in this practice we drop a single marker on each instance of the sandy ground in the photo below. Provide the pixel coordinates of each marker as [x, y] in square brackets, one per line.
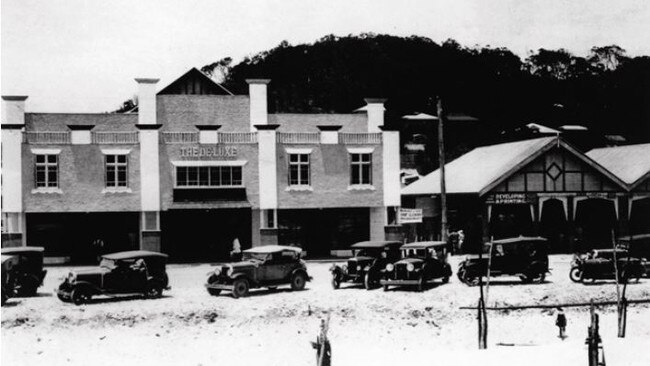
[189, 327]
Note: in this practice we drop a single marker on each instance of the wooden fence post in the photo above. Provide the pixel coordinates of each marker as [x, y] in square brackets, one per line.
[322, 344]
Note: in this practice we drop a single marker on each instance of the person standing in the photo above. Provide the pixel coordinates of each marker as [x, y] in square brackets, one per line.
[560, 321]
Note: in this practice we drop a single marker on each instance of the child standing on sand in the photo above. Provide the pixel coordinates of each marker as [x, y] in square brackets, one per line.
[561, 322]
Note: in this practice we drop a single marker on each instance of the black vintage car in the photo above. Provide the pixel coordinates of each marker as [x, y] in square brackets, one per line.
[421, 263]
[369, 258]
[599, 265]
[264, 266]
[526, 257]
[136, 272]
[638, 246]
[27, 275]
[8, 262]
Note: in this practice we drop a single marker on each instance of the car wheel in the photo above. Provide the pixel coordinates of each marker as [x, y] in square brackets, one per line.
[575, 274]
[336, 282]
[367, 282]
[214, 291]
[420, 284]
[63, 298]
[240, 288]
[154, 291]
[542, 277]
[298, 281]
[526, 278]
[472, 281]
[80, 296]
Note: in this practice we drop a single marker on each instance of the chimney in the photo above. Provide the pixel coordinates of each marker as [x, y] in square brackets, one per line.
[13, 109]
[375, 110]
[258, 102]
[146, 101]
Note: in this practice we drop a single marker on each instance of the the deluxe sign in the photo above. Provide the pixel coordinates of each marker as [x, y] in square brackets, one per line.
[209, 152]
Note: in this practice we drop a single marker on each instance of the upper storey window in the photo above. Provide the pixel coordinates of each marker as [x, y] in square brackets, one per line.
[47, 171]
[299, 172]
[116, 171]
[360, 169]
[208, 176]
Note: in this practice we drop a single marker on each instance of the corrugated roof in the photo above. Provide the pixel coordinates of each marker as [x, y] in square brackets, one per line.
[474, 171]
[629, 163]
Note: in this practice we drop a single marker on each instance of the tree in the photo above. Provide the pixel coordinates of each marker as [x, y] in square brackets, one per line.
[218, 71]
[607, 58]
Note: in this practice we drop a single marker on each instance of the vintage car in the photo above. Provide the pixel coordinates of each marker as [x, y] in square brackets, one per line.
[421, 263]
[136, 272]
[599, 265]
[369, 258]
[638, 246]
[264, 266]
[8, 262]
[27, 275]
[526, 257]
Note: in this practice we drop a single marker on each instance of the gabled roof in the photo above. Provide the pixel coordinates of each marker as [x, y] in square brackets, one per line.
[630, 163]
[483, 168]
[208, 86]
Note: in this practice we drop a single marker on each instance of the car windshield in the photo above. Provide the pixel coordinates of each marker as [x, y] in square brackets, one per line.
[414, 253]
[368, 252]
[247, 256]
[107, 263]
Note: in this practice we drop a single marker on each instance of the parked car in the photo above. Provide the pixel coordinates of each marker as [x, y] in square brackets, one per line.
[8, 261]
[421, 263]
[526, 257]
[369, 258]
[599, 265]
[27, 274]
[264, 266]
[136, 272]
[638, 246]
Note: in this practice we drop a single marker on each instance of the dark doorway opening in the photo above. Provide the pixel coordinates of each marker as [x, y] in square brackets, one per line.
[640, 216]
[595, 222]
[510, 220]
[320, 231]
[204, 235]
[553, 226]
[83, 237]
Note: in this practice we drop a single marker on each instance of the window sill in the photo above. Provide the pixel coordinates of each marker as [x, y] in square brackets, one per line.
[299, 188]
[47, 190]
[361, 187]
[117, 190]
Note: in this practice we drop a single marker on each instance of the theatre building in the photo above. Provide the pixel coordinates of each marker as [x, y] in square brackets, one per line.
[194, 172]
[541, 186]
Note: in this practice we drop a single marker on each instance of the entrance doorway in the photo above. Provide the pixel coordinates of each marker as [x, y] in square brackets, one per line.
[510, 220]
[320, 231]
[640, 216]
[596, 219]
[553, 226]
[204, 235]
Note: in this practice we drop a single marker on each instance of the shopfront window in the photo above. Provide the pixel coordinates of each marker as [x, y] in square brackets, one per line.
[208, 176]
[116, 171]
[47, 171]
[360, 169]
[299, 170]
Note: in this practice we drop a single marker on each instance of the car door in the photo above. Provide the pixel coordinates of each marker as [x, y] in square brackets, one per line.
[272, 269]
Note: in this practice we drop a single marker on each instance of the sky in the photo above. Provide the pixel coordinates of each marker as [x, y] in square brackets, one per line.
[82, 56]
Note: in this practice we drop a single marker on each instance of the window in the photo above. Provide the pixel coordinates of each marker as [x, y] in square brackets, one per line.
[116, 171]
[299, 170]
[47, 171]
[208, 176]
[360, 169]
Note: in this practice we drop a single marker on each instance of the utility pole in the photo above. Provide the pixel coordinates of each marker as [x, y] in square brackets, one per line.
[441, 158]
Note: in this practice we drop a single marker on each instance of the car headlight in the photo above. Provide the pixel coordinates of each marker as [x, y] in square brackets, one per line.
[410, 267]
[230, 271]
[358, 268]
[390, 267]
[345, 268]
[217, 271]
[72, 277]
